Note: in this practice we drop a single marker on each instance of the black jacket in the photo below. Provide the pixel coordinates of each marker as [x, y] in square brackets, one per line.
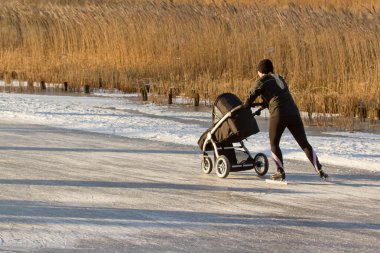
[275, 93]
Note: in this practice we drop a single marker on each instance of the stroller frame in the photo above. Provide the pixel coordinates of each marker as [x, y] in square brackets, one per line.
[223, 165]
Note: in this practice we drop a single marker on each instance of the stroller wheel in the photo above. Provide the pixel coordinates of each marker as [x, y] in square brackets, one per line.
[206, 164]
[222, 166]
[261, 164]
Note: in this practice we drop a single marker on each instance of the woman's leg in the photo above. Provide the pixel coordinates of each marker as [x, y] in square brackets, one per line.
[276, 129]
[295, 126]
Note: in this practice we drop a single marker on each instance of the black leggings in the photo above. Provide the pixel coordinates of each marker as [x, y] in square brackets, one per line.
[277, 125]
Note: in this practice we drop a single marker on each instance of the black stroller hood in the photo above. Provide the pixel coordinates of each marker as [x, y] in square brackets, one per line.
[223, 104]
[236, 128]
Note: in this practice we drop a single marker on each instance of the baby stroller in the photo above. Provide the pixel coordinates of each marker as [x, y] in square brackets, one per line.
[232, 123]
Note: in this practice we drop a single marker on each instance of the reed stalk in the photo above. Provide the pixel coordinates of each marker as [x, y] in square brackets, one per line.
[328, 51]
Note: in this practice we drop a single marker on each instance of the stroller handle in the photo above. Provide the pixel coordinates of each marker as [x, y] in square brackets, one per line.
[236, 108]
[258, 112]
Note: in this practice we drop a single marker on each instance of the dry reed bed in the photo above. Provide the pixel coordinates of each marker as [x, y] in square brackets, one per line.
[330, 56]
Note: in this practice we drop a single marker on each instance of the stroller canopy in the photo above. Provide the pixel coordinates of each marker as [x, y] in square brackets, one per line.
[223, 104]
[236, 128]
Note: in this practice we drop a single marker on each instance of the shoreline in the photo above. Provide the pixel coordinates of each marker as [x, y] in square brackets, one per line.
[185, 104]
[123, 116]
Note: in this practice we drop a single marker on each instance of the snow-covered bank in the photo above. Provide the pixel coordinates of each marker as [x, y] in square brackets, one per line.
[120, 115]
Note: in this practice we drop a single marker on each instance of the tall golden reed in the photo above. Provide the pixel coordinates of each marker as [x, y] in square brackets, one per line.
[328, 51]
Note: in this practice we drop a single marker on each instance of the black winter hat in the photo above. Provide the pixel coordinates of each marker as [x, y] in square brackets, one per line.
[265, 66]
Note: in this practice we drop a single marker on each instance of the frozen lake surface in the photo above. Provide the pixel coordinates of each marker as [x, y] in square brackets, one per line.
[65, 190]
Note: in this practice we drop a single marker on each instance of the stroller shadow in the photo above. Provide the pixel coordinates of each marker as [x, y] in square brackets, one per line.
[101, 150]
[139, 185]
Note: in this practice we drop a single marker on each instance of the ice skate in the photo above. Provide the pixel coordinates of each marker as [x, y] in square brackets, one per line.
[323, 175]
[278, 176]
